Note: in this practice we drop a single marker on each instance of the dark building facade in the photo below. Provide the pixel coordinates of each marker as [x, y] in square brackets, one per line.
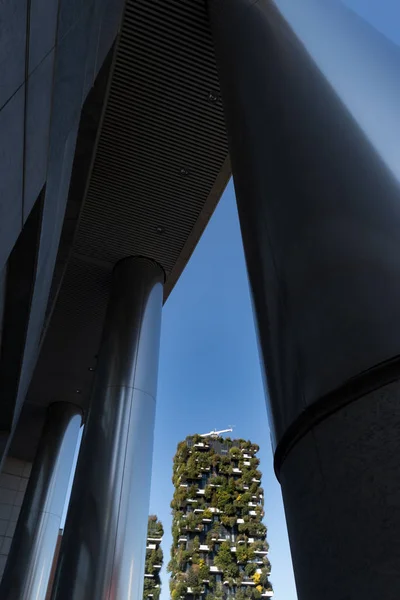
[219, 545]
[120, 124]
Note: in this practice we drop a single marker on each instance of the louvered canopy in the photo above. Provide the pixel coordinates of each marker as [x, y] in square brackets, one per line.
[160, 167]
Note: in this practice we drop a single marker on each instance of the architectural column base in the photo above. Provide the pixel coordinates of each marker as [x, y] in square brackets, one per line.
[341, 491]
[102, 554]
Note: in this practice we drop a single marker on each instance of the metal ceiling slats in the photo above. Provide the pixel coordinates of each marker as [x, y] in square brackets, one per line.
[176, 124]
[170, 168]
[162, 144]
[158, 121]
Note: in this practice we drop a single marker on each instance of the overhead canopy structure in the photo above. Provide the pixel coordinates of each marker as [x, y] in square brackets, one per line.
[152, 140]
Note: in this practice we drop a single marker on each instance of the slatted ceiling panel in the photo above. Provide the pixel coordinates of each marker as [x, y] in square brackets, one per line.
[159, 120]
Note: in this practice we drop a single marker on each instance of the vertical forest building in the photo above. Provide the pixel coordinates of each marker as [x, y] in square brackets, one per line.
[219, 547]
[154, 559]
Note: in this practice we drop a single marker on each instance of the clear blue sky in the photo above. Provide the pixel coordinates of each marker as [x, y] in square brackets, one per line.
[209, 365]
[210, 376]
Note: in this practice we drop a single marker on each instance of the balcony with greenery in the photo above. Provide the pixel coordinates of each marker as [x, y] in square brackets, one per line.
[154, 559]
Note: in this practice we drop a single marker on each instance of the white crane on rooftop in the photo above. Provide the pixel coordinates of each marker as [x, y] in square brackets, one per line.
[216, 433]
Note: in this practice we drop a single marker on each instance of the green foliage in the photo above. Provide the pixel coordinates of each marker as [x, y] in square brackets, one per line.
[253, 528]
[240, 594]
[154, 528]
[264, 576]
[253, 487]
[235, 452]
[250, 569]
[242, 538]
[225, 490]
[224, 556]
[192, 577]
[242, 553]
[215, 460]
[223, 498]
[261, 545]
[154, 560]
[180, 589]
[204, 571]
[208, 492]
[197, 439]
[256, 578]
[228, 521]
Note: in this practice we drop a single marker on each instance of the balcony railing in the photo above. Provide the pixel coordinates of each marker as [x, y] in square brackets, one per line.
[215, 569]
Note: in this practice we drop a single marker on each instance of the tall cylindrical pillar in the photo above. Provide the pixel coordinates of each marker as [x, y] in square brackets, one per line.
[29, 563]
[318, 197]
[103, 550]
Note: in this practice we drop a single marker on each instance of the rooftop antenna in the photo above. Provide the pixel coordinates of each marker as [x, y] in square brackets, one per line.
[216, 433]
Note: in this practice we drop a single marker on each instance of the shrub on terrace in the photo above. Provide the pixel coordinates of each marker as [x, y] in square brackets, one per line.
[178, 590]
[235, 452]
[264, 576]
[266, 563]
[250, 569]
[253, 487]
[261, 545]
[197, 439]
[192, 576]
[223, 498]
[256, 578]
[224, 557]
[155, 528]
[204, 570]
[240, 594]
[241, 554]
[215, 459]
[228, 521]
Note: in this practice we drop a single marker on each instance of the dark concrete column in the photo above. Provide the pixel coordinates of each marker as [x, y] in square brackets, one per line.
[29, 563]
[319, 206]
[103, 549]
